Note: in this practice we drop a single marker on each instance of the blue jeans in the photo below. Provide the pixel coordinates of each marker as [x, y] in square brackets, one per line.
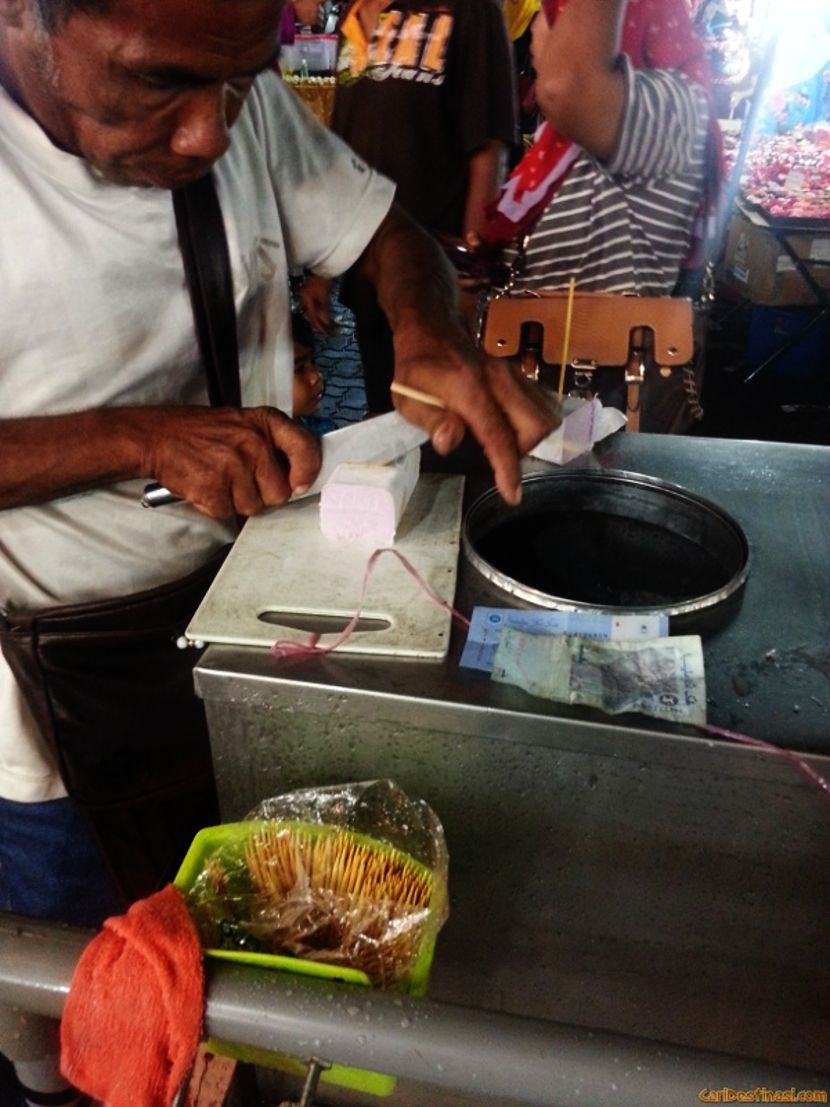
[51, 866]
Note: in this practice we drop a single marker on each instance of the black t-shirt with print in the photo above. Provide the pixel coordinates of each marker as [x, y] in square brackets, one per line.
[438, 85]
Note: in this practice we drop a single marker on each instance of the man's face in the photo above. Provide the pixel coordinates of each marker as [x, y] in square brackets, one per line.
[146, 93]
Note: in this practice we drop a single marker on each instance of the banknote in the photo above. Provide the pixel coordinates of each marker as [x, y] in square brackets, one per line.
[487, 624]
[661, 677]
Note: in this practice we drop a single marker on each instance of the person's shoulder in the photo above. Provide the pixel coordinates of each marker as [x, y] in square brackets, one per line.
[671, 82]
[660, 103]
[271, 108]
[269, 93]
[659, 96]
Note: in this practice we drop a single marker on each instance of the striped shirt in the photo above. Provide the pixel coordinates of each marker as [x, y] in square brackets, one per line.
[626, 226]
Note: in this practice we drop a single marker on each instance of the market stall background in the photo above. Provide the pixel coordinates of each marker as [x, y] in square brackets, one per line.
[768, 336]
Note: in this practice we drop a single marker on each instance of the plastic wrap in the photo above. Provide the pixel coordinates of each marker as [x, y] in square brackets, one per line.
[353, 875]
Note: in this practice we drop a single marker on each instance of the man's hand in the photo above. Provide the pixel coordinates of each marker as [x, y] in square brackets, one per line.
[226, 461]
[434, 354]
[507, 413]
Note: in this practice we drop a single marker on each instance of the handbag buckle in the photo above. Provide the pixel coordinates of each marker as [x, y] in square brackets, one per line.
[635, 372]
[583, 384]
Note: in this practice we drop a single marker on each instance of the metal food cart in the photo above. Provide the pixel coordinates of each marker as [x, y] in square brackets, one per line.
[608, 875]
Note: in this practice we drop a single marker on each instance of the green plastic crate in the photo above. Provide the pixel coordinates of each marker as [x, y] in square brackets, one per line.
[213, 838]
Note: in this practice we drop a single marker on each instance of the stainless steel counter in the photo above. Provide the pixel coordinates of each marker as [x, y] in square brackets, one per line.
[610, 873]
[767, 672]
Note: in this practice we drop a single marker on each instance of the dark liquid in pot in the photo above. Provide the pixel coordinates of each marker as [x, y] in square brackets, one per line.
[603, 559]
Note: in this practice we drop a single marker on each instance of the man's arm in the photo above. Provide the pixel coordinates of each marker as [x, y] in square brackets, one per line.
[418, 291]
[485, 167]
[224, 461]
[578, 86]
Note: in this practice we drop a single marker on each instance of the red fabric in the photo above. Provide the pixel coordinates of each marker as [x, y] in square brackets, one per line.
[133, 1018]
[656, 34]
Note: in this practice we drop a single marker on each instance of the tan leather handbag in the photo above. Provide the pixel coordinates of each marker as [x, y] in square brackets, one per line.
[635, 352]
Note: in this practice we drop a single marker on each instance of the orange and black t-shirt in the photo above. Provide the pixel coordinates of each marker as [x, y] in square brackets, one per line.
[435, 84]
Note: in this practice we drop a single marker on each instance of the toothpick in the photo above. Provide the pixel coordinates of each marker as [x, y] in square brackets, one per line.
[566, 341]
[416, 394]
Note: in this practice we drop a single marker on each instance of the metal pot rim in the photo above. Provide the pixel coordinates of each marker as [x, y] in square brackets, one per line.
[560, 603]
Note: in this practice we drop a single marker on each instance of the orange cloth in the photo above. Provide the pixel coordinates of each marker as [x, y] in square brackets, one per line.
[133, 1018]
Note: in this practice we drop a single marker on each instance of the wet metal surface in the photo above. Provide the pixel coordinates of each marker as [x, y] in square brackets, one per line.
[767, 670]
[610, 873]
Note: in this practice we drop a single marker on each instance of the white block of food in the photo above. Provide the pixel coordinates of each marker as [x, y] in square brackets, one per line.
[365, 503]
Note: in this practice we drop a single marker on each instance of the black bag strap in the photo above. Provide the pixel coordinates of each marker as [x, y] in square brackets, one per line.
[207, 268]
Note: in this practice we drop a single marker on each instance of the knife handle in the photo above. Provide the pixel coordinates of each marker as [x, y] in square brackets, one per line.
[155, 495]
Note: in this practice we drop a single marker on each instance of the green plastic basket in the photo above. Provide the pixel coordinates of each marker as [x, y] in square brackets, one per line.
[214, 838]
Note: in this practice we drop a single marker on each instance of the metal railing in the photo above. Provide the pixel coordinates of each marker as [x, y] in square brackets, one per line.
[468, 1051]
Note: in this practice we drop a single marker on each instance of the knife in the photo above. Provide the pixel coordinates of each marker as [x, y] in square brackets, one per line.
[374, 441]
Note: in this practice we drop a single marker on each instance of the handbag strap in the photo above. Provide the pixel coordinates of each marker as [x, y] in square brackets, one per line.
[207, 267]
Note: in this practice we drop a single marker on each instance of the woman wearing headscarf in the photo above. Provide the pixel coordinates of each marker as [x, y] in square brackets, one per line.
[623, 171]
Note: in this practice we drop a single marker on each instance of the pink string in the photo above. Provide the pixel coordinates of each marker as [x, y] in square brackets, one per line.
[307, 649]
[793, 758]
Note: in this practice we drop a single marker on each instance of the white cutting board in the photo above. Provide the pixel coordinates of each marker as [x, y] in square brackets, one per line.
[282, 565]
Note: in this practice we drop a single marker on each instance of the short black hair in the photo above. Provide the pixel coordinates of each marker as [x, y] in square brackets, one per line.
[301, 330]
[54, 13]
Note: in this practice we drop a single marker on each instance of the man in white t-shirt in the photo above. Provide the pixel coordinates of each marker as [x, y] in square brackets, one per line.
[106, 105]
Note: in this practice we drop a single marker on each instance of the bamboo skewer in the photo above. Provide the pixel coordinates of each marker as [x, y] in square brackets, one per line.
[566, 340]
[342, 901]
[416, 394]
[434, 401]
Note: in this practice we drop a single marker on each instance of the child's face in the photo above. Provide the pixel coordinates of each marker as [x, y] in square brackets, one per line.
[308, 384]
